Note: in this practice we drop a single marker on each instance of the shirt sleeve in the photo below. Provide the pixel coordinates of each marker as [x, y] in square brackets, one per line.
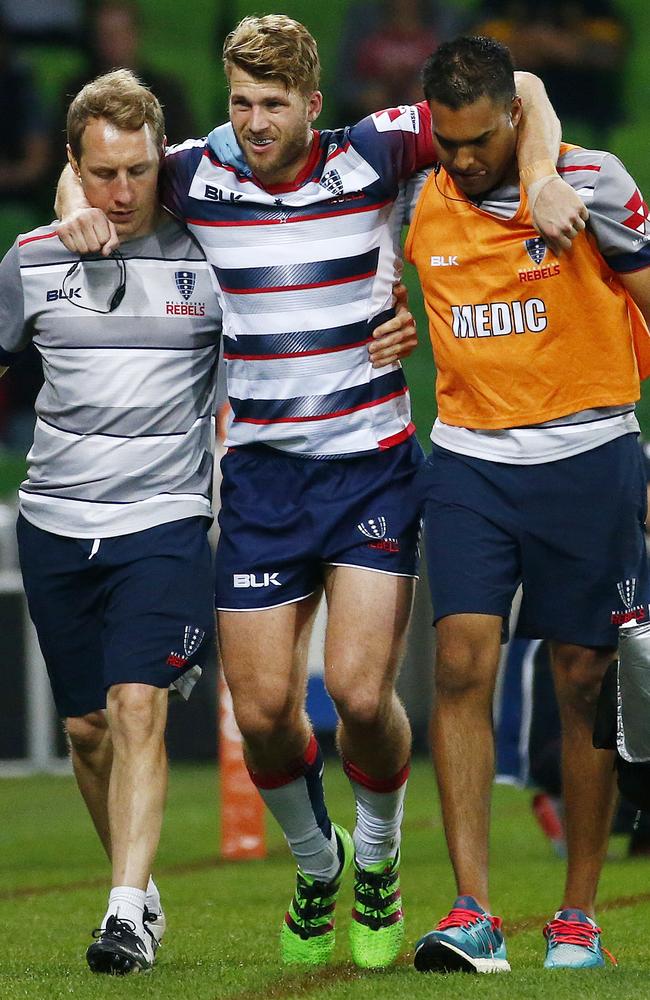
[176, 175]
[15, 332]
[396, 141]
[412, 190]
[618, 217]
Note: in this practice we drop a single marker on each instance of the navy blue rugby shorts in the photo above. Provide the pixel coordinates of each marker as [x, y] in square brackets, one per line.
[284, 517]
[137, 610]
[571, 532]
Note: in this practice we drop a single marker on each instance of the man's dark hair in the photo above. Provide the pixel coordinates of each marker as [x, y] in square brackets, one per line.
[463, 70]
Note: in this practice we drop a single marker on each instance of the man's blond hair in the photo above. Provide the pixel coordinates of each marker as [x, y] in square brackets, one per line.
[123, 100]
[274, 47]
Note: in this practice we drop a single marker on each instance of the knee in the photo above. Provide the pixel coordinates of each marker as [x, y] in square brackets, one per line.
[136, 712]
[462, 670]
[360, 704]
[87, 734]
[267, 716]
[579, 674]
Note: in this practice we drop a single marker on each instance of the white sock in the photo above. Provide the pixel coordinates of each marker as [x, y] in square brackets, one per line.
[152, 898]
[298, 805]
[377, 834]
[126, 903]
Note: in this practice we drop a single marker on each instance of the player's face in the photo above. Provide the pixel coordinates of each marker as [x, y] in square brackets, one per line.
[272, 125]
[118, 169]
[476, 144]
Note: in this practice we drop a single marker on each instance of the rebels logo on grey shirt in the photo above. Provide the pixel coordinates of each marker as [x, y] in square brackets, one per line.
[130, 348]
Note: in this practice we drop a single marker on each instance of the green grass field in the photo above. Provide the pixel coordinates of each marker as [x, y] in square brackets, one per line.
[224, 918]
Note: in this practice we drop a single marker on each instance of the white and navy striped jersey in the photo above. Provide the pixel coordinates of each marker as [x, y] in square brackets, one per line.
[123, 437]
[306, 273]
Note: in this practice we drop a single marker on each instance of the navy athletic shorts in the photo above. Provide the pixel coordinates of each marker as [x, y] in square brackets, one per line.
[138, 609]
[571, 532]
[283, 517]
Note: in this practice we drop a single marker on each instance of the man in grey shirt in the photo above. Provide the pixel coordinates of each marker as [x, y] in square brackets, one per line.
[116, 506]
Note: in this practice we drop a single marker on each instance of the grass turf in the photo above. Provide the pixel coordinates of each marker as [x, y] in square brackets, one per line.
[224, 918]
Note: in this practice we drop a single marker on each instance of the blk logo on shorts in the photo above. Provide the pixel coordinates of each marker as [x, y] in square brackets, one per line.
[245, 580]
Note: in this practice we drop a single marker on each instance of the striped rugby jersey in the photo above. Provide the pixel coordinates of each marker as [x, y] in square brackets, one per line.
[123, 437]
[306, 273]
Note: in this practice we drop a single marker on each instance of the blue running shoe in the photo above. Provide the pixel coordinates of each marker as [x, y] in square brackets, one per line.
[467, 940]
[573, 942]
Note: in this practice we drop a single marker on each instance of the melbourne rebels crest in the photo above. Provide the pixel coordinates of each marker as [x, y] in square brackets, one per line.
[536, 249]
[185, 282]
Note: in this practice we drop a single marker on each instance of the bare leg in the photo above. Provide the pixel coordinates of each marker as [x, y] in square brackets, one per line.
[264, 655]
[587, 774]
[91, 751]
[137, 714]
[368, 615]
[463, 742]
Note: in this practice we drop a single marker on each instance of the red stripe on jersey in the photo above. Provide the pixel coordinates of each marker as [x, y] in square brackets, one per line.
[295, 354]
[297, 288]
[292, 218]
[571, 170]
[394, 439]
[32, 239]
[323, 416]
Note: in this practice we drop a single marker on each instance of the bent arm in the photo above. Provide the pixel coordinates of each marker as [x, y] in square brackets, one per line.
[397, 338]
[558, 213]
[81, 229]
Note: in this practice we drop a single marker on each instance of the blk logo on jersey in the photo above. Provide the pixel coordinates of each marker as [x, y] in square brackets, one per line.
[633, 610]
[193, 636]
[450, 261]
[53, 294]
[185, 282]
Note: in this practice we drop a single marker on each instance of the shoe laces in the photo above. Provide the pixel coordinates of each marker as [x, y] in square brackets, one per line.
[313, 900]
[575, 932]
[118, 928]
[375, 891]
[462, 917]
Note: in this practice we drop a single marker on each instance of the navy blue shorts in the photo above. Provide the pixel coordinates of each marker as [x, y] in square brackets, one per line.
[137, 610]
[284, 517]
[571, 532]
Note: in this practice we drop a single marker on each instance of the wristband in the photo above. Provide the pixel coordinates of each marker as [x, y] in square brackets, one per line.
[536, 171]
[535, 188]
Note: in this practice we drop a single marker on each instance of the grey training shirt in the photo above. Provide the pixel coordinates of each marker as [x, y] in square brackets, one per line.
[123, 437]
